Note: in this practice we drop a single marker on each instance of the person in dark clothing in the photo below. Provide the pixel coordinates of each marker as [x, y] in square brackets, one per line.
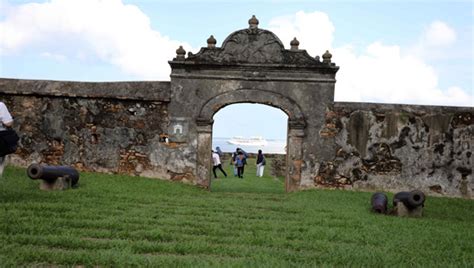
[260, 163]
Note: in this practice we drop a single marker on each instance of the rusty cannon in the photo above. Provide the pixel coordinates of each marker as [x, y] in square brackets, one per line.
[54, 177]
[379, 203]
[409, 203]
[411, 199]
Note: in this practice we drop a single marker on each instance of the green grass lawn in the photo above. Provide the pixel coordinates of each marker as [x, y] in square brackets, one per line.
[113, 220]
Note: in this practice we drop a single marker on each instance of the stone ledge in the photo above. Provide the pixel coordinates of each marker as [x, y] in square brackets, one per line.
[379, 107]
[148, 91]
[250, 78]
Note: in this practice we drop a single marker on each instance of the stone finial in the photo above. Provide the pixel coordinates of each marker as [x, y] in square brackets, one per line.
[327, 57]
[317, 59]
[211, 42]
[180, 52]
[253, 22]
[294, 44]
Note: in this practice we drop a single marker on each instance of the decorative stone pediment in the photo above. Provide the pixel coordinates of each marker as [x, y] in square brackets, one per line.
[251, 46]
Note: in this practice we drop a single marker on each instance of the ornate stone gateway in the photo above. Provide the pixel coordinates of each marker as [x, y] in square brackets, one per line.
[252, 66]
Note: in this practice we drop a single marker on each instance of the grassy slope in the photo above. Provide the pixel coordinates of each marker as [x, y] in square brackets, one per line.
[117, 220]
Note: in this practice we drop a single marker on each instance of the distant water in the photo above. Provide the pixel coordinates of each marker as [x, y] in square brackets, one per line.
[272, 147]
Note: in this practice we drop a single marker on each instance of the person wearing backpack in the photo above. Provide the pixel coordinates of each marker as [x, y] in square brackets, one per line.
[239, 163]
[6, 121]
[245, 155]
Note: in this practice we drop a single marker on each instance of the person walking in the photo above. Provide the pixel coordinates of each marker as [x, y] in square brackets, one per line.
[6, 121]
[260, 163]
[217, 164]
[245, 155]
[239, 163]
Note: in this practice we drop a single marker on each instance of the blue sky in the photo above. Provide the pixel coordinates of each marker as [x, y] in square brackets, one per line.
[418, 52]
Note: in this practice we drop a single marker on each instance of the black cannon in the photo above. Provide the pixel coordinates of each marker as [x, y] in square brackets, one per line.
[379, 203]
[51, 173]
[411, 200]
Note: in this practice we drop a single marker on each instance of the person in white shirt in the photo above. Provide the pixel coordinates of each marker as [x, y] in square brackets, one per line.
[6, 120]
[216, 160]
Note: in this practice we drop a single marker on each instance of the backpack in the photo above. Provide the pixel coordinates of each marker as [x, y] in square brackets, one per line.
[8, 142]
[239, 162]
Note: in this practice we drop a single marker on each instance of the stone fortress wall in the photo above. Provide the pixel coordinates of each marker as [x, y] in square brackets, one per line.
[115, 130]
[164, 129]
[399, 147]
[104, 127]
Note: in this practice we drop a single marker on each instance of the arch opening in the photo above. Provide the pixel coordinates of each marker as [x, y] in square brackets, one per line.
[250, 127]
[295, 132]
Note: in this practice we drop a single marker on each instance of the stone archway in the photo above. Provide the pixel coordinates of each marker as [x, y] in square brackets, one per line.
[253, 66]
[295, 133]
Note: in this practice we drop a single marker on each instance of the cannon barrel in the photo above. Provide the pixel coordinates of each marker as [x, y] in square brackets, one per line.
[51, 173]
[379, 203]
[411, 199]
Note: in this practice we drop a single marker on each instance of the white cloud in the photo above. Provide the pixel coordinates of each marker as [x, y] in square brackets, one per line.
[382, 73]
[439, 34]
[121, 35]
[435, 41]
[314, 30]
[108, 29]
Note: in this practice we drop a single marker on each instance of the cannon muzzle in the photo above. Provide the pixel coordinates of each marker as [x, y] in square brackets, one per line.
[411, 199]
[379, 203]
[51, 173]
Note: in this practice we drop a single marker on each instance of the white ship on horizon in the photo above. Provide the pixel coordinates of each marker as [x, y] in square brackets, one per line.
[252, 141]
